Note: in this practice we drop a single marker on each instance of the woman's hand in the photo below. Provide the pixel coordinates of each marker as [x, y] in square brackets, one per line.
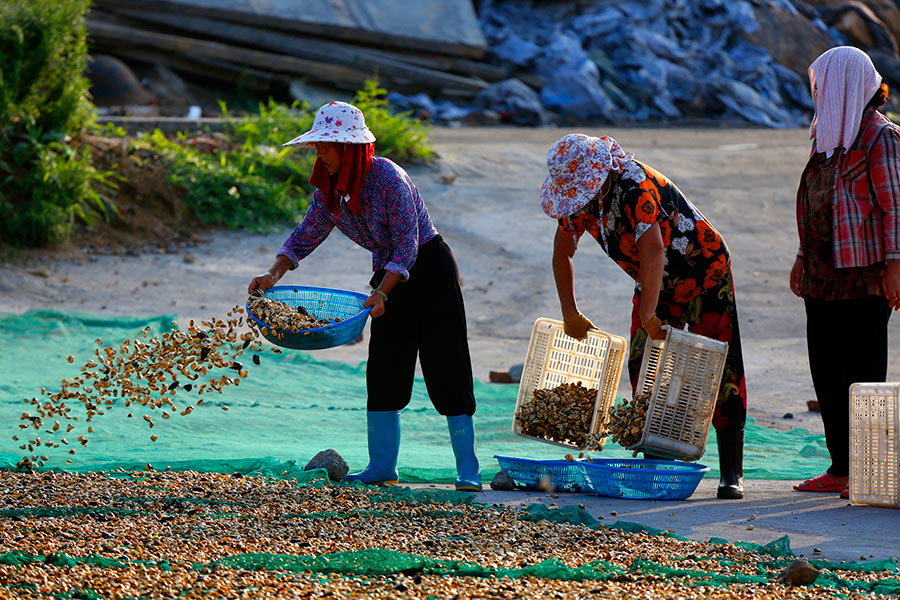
[578, 327]
[376, 301]
[890, 284]
[262, 282]
[797, 277]
[270, 277]
[653, 327]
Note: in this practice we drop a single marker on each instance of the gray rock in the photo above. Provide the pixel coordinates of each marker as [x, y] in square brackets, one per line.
[502, 481]
[798, 573]
[514, 101]
[664, 59]
[331, 461]
[484, 118]
[419, 104]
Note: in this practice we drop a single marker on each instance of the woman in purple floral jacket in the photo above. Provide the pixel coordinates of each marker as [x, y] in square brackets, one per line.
[417, 304]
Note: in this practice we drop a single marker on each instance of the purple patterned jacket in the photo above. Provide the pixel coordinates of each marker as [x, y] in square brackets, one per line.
[392, 222]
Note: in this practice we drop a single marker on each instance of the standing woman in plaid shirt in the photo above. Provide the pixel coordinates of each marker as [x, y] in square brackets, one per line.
[848, 266]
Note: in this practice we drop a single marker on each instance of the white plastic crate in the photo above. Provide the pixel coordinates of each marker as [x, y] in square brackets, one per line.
[554, 359]
[682, 374]
[875, 444]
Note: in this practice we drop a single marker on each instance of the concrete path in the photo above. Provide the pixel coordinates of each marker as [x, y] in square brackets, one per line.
[771, 507]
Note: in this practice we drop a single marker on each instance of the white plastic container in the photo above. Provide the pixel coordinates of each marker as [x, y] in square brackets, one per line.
[875, 444]
[682, 373]
[554, 359]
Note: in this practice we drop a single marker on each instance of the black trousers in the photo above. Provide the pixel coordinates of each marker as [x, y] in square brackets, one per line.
[847, 343]
[425, 317]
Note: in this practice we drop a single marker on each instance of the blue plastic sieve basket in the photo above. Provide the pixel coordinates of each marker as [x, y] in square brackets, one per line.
[527, 473]
[641, 479]
[324, 303]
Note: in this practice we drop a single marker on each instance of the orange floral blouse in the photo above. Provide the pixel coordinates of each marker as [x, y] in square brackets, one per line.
[696, 255]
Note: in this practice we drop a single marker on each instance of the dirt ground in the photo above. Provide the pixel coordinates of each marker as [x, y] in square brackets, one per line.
[743, 180]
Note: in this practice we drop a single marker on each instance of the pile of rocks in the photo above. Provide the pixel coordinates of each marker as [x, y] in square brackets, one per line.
[659, 60]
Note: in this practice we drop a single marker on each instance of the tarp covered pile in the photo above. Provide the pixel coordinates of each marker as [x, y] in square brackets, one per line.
[410, 46]
[528, 62]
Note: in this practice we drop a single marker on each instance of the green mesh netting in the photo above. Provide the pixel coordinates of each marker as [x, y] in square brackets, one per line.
[778, 548]
[575, 515]
[648, 567]
[59, 559]
[422, 496]
[373, 562]
[872, 566]
[291, 407]
[385, 562]
[566, 514]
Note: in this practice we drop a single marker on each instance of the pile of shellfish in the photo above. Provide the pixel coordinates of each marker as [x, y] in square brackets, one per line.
[562, 414]
[626, 420]
[282, 318]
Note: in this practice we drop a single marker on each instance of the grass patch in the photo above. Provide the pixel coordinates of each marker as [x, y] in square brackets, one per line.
[243, 178]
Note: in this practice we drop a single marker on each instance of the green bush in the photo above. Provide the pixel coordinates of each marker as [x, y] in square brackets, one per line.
[46, 176]
[250, 180]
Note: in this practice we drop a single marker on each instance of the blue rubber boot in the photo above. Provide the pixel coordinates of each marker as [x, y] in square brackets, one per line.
[462, 438]
[384, 445]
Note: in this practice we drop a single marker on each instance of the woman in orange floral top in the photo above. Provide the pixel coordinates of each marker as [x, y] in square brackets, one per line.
[678, 260]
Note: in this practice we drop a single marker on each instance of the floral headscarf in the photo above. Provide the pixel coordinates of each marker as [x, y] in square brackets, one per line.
[578, 165]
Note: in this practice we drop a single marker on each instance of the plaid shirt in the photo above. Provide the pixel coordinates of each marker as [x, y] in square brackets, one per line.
[866, 221]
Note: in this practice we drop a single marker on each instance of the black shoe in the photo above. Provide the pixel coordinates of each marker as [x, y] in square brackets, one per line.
[730, 491]
[731, 464]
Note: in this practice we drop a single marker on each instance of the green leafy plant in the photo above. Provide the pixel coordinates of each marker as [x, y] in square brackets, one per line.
[107, 129]
[251, 181]
[247, 186]
[46, 177]
[398, 136]
[248, 180]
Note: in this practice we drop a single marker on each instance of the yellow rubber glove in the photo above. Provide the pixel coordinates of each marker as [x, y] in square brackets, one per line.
[654, 330]
[578, 327]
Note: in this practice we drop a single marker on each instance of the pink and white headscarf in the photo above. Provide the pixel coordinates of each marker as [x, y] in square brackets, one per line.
[842, 81]
[578, 165]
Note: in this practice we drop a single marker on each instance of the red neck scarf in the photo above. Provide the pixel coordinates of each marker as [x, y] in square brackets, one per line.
[356, 162]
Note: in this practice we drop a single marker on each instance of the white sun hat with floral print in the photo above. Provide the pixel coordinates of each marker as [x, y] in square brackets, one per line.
[578, 165]
[336, 122]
